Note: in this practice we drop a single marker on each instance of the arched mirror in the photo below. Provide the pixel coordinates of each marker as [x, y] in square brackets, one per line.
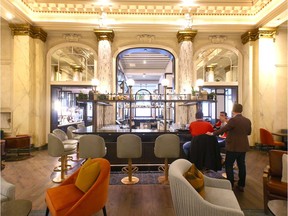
[72, 63]
[217, 64]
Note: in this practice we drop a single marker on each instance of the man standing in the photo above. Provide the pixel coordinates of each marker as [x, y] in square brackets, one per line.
[238, 128]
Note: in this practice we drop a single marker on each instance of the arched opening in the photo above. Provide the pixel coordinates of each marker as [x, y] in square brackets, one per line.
[147, 66]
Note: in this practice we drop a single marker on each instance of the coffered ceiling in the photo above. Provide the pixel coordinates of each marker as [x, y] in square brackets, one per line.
[168, 15]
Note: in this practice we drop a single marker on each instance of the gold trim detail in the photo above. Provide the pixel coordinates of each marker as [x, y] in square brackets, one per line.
[255, 34]
[28, 30]
[186, 35]
[104, 34]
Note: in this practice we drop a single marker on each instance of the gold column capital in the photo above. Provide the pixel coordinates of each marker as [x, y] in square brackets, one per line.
[255, 34]
[28, 30]
[104, 34]
[186, 35]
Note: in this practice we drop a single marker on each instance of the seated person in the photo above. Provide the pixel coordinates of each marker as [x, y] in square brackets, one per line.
[223, 119]
[196, 128]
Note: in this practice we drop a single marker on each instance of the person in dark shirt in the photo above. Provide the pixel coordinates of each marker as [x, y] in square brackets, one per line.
[238, 129]
[197, 127]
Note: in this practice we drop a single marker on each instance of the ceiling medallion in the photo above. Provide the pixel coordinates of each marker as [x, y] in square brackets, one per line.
[217, 39]
[72, 37]
[146, 38]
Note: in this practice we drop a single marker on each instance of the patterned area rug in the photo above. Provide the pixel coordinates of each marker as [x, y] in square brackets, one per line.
[145, 177]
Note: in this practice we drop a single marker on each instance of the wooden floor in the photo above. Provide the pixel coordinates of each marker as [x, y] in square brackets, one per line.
[33, 176]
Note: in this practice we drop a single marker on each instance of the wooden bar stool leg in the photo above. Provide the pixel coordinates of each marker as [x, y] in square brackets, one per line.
[164, 179]
[60, 178]
[130, 179]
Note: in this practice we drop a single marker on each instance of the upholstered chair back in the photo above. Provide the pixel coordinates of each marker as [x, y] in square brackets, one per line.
[167, 146]
[91, 146]
[55, 146]
[60, 134]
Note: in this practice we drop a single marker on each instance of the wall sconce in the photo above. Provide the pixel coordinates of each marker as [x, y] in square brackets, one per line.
[165, 82]
[130, 83]
[95, 83]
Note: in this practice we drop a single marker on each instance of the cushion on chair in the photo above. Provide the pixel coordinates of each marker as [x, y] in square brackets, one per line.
[87, 175]
[196, 179]
[284, 168]
[275, 186]
[221, 197]
[62, 198]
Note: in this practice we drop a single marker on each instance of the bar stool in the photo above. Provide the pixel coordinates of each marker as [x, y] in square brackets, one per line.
[70, 133]
[64, 138]
[92, 146]
[166, 146]
[72, 136]
[129, 146]
[57, 149]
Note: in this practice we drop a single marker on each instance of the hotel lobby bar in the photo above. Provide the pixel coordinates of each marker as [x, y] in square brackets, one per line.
[126, 67]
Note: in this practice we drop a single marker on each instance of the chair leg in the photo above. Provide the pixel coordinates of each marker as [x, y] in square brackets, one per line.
[104, 211]
[62, 176]
[47, 211]
[164, 179]
[130, 179]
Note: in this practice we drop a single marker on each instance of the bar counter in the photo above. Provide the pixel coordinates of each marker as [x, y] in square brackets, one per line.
[148, 137]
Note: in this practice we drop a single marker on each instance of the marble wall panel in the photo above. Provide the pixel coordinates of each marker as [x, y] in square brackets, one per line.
[21, 84]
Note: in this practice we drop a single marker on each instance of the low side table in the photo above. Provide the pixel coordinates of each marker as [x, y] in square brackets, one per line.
[16, 208]
[278, 207]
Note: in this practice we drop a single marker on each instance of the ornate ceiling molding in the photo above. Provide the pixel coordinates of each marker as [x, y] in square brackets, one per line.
[72, 37]
[255, 34]
[167, 7]
[104, 34]
[146, 38]
[28, 30]
[186, 35]
[217, 39]
[165, 15]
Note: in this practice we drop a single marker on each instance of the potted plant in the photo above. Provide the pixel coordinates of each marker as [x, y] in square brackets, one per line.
[211, 96]
[193, 92]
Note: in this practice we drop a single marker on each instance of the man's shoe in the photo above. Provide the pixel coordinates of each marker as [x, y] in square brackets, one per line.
[241, 189]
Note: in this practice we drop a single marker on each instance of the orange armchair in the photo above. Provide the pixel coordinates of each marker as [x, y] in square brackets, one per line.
[266, 138]
[68, 200]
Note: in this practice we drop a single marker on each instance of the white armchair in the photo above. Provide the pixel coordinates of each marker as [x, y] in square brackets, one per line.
[7, 191]
[219, 198]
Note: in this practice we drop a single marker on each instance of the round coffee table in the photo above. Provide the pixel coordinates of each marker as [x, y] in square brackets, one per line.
[278, 207]
[16, 208]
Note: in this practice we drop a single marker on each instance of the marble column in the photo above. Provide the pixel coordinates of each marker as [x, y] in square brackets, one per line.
[262, 98]
[104, 71]
[29, 83]
[185, 76]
